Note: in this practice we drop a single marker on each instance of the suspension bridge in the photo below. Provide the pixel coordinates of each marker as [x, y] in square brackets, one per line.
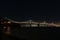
[33, 23]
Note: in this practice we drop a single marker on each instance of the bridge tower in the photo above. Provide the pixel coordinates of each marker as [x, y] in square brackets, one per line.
[7, 27]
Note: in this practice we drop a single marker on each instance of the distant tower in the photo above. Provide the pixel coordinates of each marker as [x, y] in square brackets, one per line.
[30, 21]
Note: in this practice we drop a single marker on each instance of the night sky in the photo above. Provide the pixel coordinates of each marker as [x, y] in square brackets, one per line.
[43, 10]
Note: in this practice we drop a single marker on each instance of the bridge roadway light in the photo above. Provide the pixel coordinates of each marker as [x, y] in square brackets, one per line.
[9, 22]
[57, 25]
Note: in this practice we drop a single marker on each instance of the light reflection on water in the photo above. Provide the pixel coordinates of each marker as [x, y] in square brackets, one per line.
[34, 33]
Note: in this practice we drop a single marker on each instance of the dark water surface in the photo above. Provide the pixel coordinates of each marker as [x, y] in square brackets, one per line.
[31, 33]
[37, 33]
